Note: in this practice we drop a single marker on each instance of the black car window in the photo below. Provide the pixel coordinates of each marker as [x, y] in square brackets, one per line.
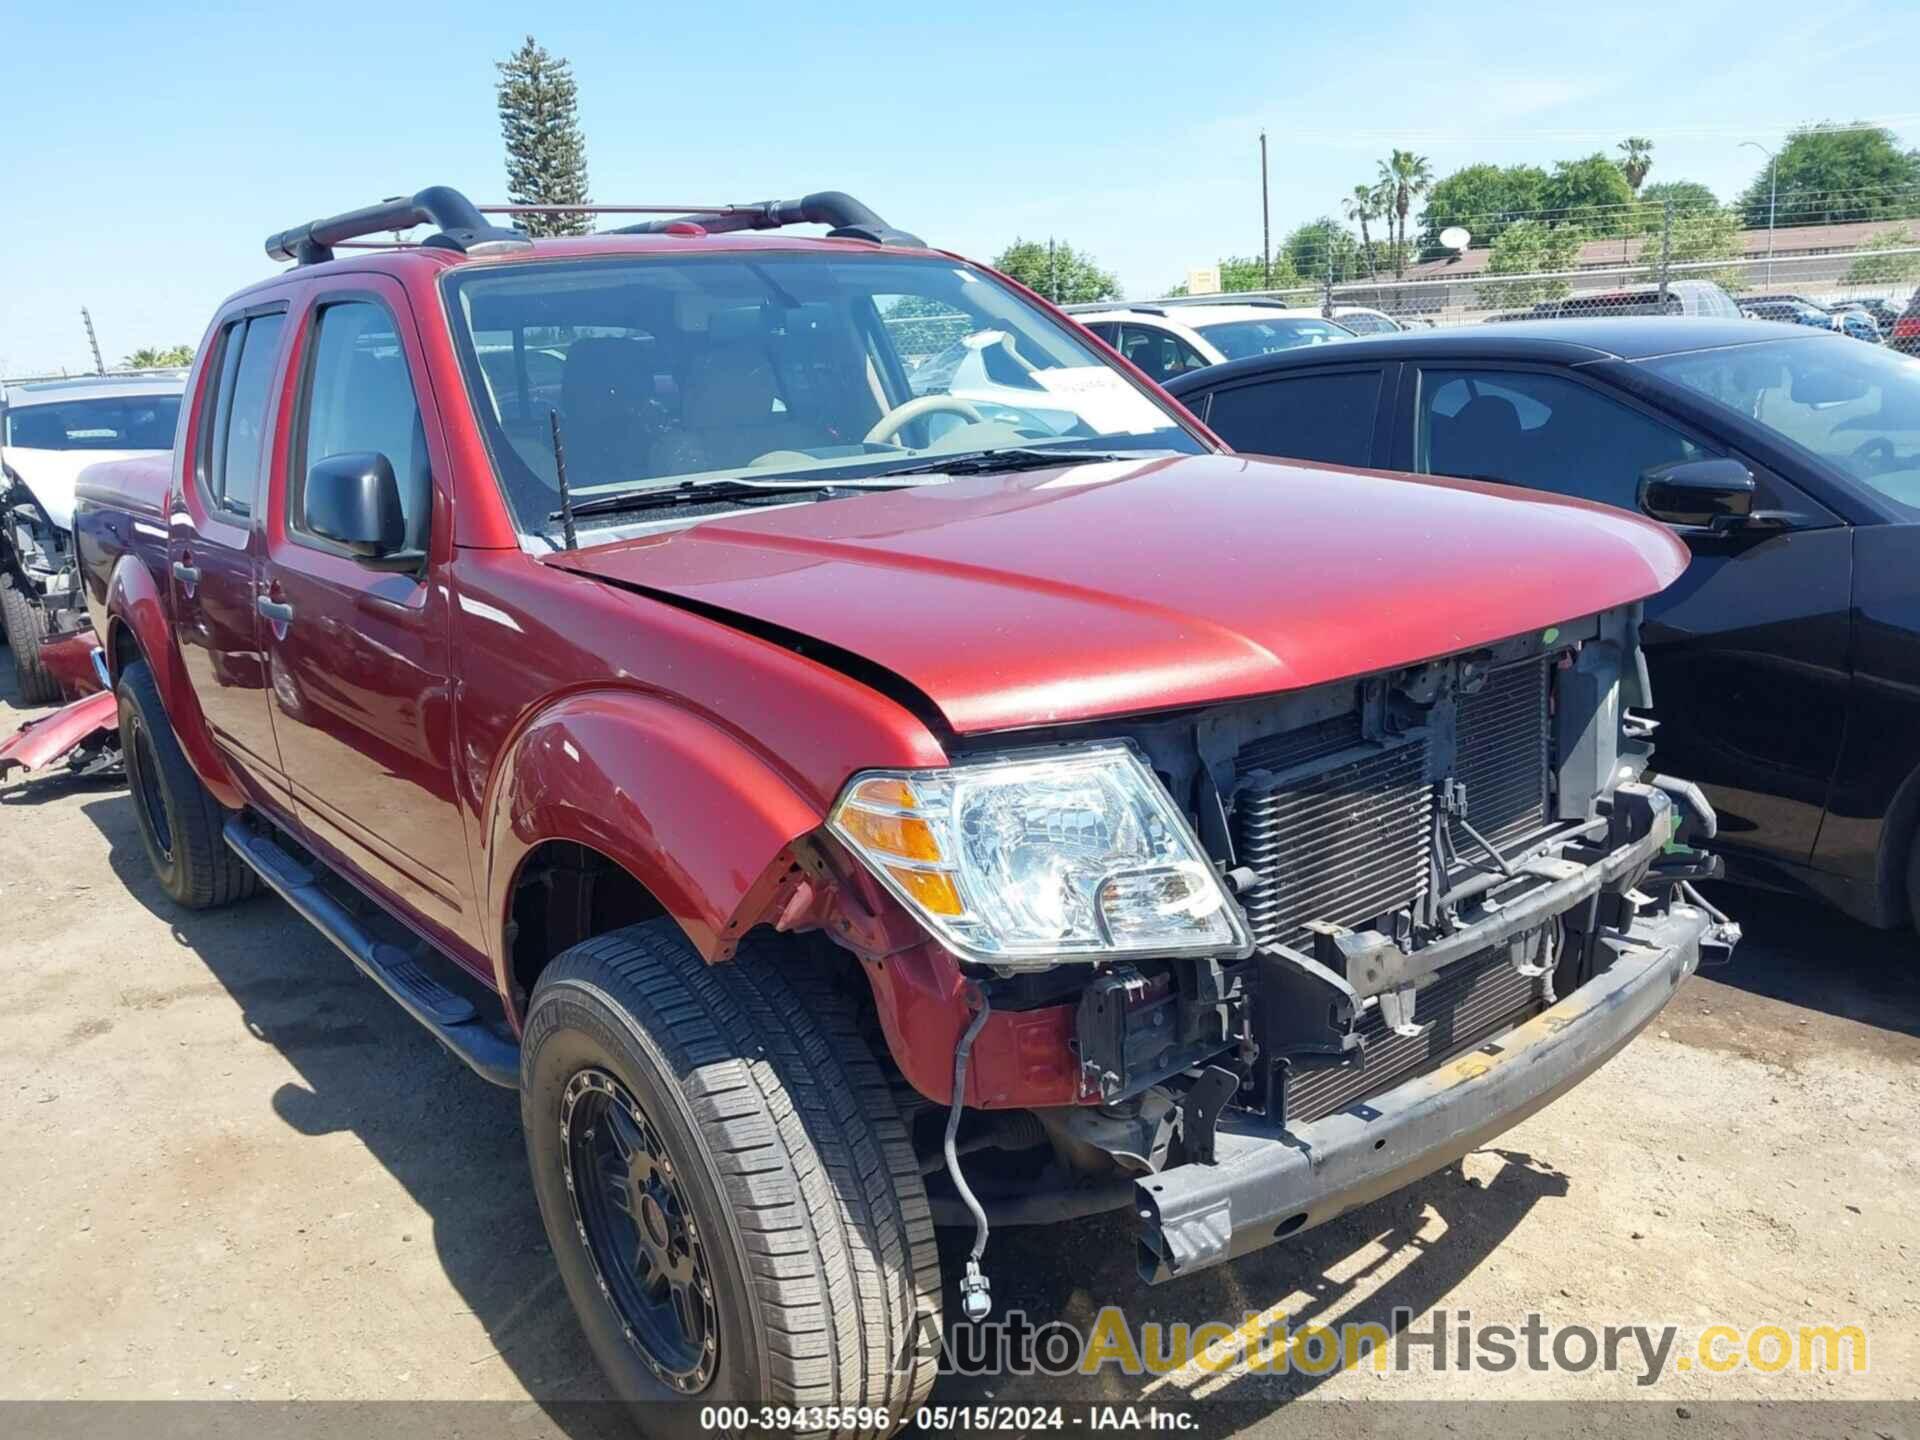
[241, 437]
[1160, 353]
[1328, 418]
[1540, 431]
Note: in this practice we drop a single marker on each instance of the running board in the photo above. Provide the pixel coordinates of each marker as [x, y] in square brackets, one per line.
[452, 1018]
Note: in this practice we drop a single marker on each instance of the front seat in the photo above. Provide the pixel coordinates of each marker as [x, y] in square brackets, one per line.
[729, 414]
[604, 390]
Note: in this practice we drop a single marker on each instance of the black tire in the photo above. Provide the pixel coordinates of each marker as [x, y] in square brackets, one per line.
[26, 625]
[181, 823]
[1913, 879]
[787, 1153]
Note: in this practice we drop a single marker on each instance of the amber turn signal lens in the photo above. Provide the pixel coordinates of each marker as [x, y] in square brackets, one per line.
[901, 835]
[932, 890]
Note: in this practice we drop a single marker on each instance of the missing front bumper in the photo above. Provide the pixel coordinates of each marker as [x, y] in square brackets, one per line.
[1271, 1182]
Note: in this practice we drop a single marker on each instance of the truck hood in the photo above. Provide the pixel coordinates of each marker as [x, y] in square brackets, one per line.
[1120, 587]
[52, 474]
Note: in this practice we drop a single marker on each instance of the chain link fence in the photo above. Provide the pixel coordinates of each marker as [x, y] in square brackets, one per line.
[1693, 256]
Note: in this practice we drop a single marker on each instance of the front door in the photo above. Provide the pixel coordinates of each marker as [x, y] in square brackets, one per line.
[214, 549]
[359, 649]
[1747, 651]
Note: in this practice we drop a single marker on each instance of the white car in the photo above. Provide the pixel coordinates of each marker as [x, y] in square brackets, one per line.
[1364, 320]
[1169, 339]
[51, 430]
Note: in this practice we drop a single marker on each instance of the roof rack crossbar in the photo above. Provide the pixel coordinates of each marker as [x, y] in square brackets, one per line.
[461, 227]
[845, 216]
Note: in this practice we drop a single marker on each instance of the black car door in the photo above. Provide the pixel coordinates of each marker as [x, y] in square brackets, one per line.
[1748, 650]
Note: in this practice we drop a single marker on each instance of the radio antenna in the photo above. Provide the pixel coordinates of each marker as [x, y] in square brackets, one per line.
[560, 474]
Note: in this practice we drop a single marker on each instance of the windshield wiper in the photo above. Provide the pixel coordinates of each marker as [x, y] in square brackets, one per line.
[1018, 457]
[719, 487]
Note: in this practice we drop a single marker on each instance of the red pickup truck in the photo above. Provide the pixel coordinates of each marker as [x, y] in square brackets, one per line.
[856, 756]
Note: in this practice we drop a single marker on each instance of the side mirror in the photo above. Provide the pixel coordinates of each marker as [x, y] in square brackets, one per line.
[353, 499]
[1699, 493]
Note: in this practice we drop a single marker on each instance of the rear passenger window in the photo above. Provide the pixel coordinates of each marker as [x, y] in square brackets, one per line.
[1541, 431]
[360, 399]
[1328, 418]
[234, 435]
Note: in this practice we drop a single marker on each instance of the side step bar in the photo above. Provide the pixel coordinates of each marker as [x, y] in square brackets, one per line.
[451, 1017]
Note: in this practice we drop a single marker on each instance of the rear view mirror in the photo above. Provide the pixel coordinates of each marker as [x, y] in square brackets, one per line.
[353, 500]
[1698, 493]
[1826, 387]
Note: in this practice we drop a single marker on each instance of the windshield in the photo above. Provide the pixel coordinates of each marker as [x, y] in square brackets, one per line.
[1237, 339]
[774, 366]
[1856, 407]
[117, 422]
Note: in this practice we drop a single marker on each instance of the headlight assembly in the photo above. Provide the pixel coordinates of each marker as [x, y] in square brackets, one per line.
[1022, 863]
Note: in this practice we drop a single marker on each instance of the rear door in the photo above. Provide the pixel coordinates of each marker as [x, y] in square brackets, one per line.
[1748, 650]
[214, 545]
[362, 688]
[1333, 415]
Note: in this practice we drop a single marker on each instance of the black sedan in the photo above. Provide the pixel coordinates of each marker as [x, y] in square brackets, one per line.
[1786, 661]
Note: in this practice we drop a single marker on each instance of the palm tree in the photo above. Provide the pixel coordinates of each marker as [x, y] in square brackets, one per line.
[1403, 176]
[1639, 152]
[1364, 206]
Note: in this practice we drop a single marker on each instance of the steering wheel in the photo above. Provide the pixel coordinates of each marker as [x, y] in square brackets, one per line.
[1877, 451]
[889, 424]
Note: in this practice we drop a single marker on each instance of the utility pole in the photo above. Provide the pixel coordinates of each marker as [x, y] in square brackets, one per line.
[1053, 272]
[1266, 223]
[1773, 196]
[1666, 249]
[99, 365]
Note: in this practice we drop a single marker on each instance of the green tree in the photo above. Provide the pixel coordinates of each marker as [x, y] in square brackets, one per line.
[1886, 269]
[1056, 270]
[1246, 272]
[1322, 249]
[1706, 233]
[1590, 193]
[1828, 177]
[1636, 160]
[1482, 199]
[1363, 207]
[152, 357]
[1404, 177]
[1530, 247]
[546, 152]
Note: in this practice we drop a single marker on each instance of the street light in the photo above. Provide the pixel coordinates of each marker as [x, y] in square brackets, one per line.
[1773, 196]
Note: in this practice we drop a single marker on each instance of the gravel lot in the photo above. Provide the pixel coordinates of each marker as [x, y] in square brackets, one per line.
[236, 1171]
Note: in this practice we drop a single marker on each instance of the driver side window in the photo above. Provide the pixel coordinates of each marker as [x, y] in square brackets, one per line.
[1160, 353]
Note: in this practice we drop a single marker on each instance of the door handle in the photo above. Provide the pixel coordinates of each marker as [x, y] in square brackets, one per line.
[187, 575]
[276, 611]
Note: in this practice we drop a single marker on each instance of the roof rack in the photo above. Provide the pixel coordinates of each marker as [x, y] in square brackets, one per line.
[461, 227]
[847, 218]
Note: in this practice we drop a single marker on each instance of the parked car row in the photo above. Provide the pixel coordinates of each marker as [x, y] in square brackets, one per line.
[843, 795]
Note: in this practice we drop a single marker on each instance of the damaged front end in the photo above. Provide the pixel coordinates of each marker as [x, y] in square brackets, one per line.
[1463, 893]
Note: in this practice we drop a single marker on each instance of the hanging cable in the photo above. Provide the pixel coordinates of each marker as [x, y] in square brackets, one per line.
[975, 1300]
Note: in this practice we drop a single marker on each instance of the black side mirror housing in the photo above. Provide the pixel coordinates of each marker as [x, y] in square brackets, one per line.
[1700, 494]
[353, 500]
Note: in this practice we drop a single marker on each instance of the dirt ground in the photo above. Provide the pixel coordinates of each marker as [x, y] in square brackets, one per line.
[234, 1170]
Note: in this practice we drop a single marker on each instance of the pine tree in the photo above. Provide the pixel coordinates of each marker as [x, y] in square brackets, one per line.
[546, 153]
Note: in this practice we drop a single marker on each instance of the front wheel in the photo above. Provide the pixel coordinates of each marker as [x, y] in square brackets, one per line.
[731, 1194]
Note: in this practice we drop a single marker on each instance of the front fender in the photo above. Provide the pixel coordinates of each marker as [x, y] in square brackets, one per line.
[133, 600]
[690, 810]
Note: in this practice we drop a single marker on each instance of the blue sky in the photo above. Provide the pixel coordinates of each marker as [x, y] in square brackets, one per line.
[150, 150]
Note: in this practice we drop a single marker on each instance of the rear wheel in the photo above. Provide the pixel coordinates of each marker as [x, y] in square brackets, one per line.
[732, 1197]
[181, 823]
[26, 625]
